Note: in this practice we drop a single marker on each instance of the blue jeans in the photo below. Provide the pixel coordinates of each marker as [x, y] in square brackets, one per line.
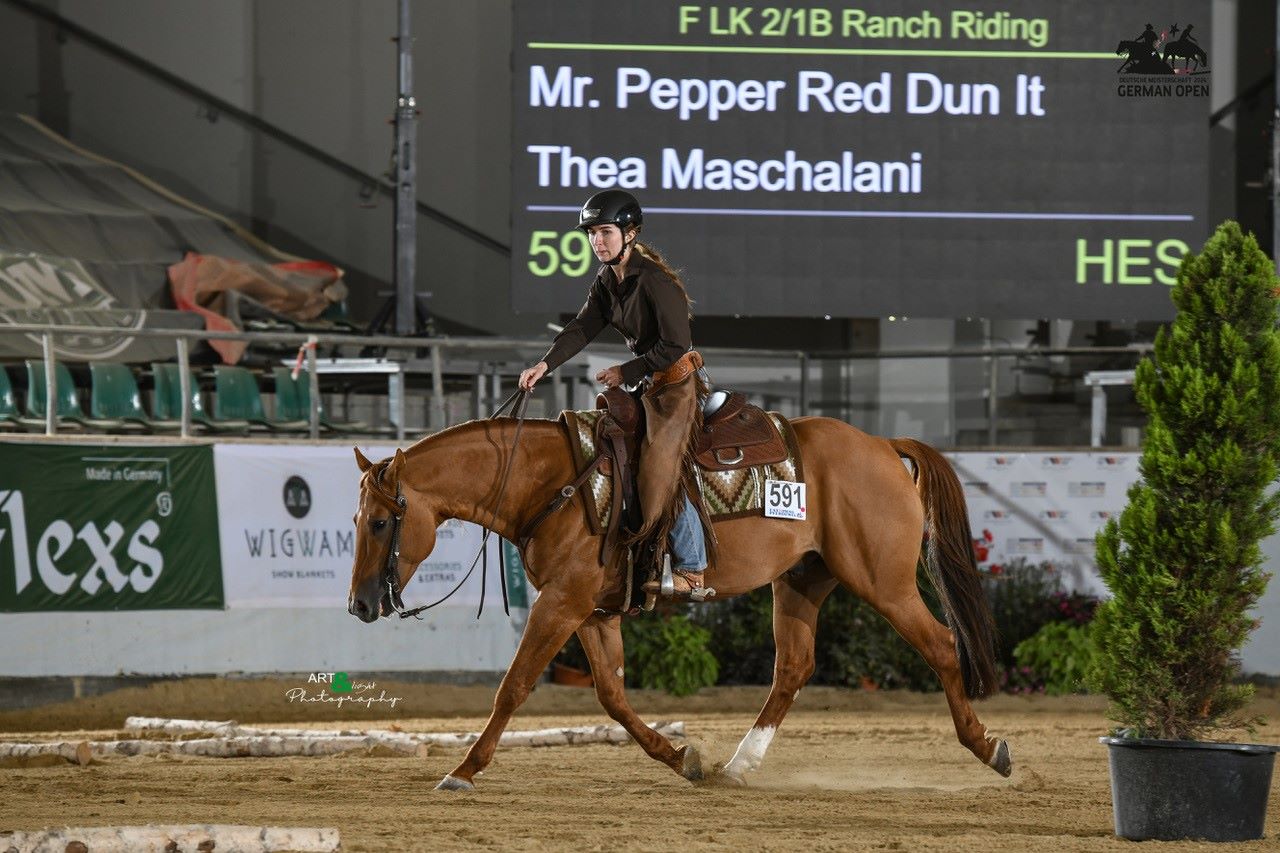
[688, 548]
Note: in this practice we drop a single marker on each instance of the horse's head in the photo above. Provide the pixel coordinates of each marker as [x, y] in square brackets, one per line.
[395, 531]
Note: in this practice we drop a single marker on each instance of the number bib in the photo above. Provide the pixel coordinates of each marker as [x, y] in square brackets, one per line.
[784, 500]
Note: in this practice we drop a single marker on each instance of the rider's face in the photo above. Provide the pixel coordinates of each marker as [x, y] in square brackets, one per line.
[606, 240]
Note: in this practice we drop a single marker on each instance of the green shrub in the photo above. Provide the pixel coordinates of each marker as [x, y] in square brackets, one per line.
[741, 632]
[1060, 655]
[1182, 561]
[1021, 595]
[663, 650]
[668, 652]
[857, 647]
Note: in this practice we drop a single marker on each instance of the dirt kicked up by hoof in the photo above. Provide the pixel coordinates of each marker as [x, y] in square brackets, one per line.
[1001, 761]
[690, 763]
[725, 778]
[453, 783]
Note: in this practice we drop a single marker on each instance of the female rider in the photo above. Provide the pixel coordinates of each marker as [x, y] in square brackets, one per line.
[637, 293]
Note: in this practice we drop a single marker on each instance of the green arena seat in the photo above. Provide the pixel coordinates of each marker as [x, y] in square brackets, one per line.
[9, 417]
[168, 401]
[114, 394]
[236, 396]
[68, 404]
[293, 402]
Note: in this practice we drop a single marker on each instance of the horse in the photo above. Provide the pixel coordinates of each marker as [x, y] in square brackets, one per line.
[1187, 51]
[870, 522]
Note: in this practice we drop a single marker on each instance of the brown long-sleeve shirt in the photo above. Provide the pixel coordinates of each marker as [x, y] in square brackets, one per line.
[647, 307]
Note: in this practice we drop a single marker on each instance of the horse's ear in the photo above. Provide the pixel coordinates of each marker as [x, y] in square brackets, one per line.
[361, 461]
[397, 463]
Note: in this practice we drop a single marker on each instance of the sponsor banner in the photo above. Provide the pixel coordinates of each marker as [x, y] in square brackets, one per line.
[1044, 507]
[285, 525]
[89, 527]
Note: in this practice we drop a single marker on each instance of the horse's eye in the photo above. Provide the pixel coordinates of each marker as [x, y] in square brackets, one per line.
[378, 524]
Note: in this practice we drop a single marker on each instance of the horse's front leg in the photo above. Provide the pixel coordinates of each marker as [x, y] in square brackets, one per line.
[552, 619]
[601, 638]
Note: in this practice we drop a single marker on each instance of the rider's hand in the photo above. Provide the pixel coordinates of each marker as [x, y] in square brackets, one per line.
[610, 377]
[530, 377]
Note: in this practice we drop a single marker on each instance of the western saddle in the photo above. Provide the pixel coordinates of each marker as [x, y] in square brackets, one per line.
[734, 434]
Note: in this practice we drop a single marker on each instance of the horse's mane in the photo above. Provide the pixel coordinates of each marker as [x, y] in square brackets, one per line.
[373, 479]
[479, 424]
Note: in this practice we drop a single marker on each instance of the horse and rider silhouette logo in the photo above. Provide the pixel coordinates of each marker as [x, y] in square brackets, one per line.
[1158, 52]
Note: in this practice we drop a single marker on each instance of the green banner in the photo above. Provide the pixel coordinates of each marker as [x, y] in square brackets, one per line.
[91, 527]
[516, 588]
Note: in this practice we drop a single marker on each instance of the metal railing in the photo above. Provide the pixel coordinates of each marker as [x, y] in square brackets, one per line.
[308, 342]
[499, 351]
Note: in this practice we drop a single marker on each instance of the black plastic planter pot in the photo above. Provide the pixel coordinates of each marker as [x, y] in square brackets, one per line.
[1171, 789]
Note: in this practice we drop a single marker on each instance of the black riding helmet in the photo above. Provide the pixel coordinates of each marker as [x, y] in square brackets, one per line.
[612, 207]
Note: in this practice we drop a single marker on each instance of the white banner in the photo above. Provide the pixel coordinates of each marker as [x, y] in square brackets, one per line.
[1044, 507]
[284, 519]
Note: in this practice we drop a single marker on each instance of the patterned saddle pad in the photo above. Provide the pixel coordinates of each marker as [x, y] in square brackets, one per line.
[737, 493]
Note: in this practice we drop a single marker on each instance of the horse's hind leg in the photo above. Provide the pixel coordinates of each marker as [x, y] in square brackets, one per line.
[601, 638]
[797, 595]
[902, 605]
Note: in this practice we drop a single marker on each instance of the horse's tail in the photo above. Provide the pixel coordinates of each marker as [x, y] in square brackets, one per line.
[951, 566]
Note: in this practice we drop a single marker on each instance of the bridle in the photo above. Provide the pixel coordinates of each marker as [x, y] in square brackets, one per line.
[391, 568]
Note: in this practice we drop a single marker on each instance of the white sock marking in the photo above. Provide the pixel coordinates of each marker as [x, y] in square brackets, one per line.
[751, 751]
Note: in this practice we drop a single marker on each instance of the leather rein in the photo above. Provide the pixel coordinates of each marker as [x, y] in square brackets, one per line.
[391, 569]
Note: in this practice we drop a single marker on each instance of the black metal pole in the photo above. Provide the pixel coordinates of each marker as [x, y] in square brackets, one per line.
[1275, 147]
[406, 167]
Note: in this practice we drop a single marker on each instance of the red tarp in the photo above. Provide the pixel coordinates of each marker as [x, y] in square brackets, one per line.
[299, 290]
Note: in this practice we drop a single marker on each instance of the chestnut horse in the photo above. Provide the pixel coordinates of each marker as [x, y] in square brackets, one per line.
[868, 523]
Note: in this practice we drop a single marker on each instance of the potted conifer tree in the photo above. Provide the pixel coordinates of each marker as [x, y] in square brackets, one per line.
[1183, 563]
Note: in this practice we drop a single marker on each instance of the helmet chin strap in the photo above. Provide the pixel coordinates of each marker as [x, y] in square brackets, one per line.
[626, 244]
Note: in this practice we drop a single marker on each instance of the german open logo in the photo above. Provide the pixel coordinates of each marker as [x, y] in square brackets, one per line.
[1169, 63]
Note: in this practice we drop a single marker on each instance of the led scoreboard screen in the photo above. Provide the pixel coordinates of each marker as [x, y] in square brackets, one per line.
[1021, 160]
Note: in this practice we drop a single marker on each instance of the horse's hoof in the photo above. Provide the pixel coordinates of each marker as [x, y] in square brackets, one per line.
[1001, 761]
[453, 783]
[690, 763]
[733, 780]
